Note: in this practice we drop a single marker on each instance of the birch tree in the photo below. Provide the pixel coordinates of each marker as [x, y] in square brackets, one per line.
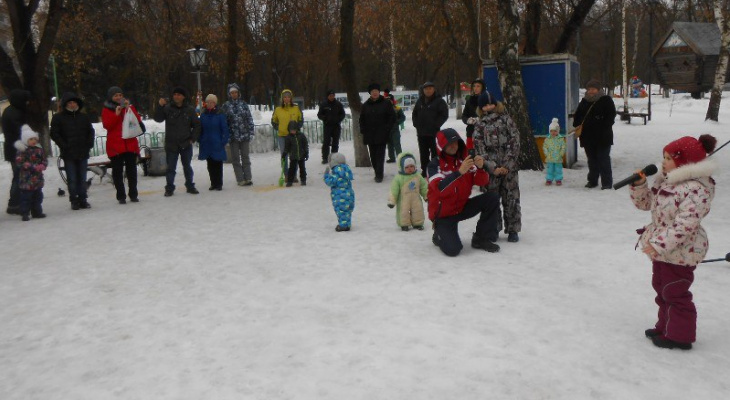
[723, 22]
[510, 80]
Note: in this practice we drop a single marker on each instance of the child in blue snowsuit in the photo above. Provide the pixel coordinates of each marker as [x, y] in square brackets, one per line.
[343, 197]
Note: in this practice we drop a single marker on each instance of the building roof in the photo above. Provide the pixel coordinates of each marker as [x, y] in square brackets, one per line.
[704, 38]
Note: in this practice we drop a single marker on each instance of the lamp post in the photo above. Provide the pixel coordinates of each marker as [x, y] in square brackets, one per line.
[652, 4]
[197, 60]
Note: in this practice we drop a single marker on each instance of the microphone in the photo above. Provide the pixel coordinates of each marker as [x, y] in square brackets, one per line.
[649, 170]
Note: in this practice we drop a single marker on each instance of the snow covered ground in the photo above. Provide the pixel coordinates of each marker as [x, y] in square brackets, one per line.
[249, 293]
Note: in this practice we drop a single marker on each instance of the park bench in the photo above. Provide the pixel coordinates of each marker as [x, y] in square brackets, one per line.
[626, 115]
[99, 165]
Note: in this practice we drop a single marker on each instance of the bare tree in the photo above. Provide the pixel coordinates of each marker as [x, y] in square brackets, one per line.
[510, 79]
[723, 62]
[579, 14]
[532, 26]
[32, 56]
[232, 41]
[347, 70]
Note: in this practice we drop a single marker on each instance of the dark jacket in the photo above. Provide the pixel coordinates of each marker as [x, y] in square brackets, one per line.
[13, 118]
[331, 113]
[182, 126]
[429, 114]
[72, 131]
[376, 120]
[297, 146]
[470, 111]
[597, 127]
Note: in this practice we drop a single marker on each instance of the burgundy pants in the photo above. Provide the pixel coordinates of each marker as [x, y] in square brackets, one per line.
[677, 314]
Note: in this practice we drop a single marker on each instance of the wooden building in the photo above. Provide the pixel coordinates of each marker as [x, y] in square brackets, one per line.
[686, 57]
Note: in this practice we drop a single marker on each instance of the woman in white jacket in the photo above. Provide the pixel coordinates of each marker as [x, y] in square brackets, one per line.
[675, 240]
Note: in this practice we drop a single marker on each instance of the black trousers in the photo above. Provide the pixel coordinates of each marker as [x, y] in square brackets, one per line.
[215, 171]
[426, 151]
[120, 162]
[377, 158]
[331, 140]
[292, 172]
[447, 229]
[599, 164]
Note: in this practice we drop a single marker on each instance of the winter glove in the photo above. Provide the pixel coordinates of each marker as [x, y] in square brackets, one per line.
[472, 121]
[391, 205]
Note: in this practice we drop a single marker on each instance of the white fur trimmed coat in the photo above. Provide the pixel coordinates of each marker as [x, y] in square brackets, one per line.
[678, 202]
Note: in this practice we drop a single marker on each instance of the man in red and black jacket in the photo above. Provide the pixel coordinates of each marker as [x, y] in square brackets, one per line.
[451, 177]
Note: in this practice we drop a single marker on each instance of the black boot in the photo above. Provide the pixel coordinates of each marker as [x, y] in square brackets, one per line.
[478, 242]
[663, 342]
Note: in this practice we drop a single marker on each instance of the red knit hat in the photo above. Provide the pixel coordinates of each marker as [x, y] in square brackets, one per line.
[688, 150]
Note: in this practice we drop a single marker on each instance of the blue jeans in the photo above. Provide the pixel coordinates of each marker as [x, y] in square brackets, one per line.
[186, 156]
[76, 178]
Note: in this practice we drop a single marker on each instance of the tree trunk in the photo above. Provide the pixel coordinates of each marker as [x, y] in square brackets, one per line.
[33, 61]
[576, 20]
[635, 50]
[392, 54]
[532, 26]
[232, 42]
[510, 79]
[723, 22]
[347, 70]
[625, 77]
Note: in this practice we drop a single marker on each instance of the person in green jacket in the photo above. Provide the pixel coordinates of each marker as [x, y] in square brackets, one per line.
[554, 149]
[406, 191]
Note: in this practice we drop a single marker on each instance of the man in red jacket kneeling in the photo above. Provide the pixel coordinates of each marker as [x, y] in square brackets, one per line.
[451, 177]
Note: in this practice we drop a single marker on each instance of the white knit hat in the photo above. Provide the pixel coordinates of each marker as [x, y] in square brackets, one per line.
[212, 97]
[408, 161]
[555, 125]
[26, 133]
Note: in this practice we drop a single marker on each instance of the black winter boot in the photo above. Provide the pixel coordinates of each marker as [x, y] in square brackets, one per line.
[663, 342]
[478, 242]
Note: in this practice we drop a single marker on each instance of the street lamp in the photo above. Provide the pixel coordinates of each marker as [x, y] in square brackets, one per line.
[197, 60]
[652, 4]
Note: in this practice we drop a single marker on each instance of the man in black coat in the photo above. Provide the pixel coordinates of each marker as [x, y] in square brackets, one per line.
[14, 117]
[597, 113]
[331, 112]
[376, 120]
[74, 136]
[429, 113]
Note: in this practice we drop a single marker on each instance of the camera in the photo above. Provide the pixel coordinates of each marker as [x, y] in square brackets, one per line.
[472, 153]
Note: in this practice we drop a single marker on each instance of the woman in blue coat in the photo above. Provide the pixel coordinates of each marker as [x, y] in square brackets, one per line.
[213, 138]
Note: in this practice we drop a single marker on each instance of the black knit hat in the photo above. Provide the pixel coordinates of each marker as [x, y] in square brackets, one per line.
[112, 91]
[486, 98]
[181, 90]
[373, 86]
[330, 91]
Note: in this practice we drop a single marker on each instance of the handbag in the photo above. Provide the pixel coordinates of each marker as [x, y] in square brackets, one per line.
[130, 126]
[579, 129]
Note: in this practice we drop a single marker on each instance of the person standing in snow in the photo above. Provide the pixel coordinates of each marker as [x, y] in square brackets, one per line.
[339, 179]
[470, 115]
[14, 117]
[31, 162]
[394, 146]
[376, 120]
[296, 148]
[429, 113]
[406, 191]
[182, 128]
[675, 240]
[122, 152]
[497, 139]
[451, 177]
[331, 113]
[73, 133]
[213, 138]
[288, 111]
[596, 112]
[554, 149]
[241, 126]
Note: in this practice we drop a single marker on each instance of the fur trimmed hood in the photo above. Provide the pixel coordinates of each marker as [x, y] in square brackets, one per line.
[702, 169]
